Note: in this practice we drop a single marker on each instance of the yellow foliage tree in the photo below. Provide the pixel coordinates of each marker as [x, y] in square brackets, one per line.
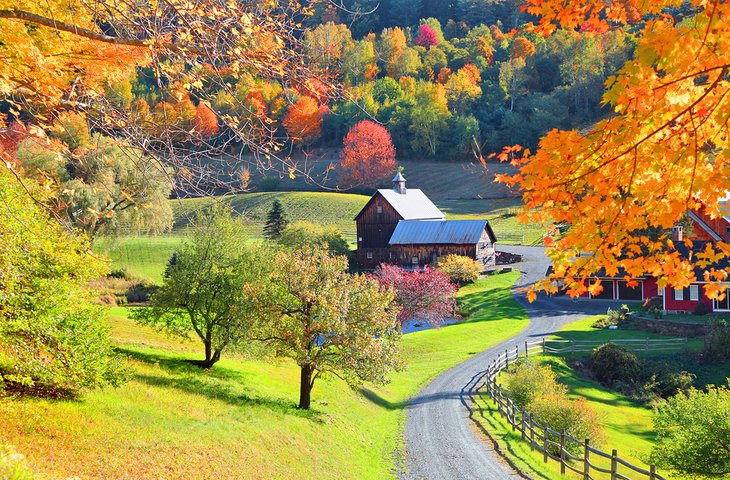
[663, 151]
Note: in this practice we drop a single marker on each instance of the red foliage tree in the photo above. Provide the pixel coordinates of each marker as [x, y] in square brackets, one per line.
[426, 37]
[443, 75]
[206, 123]
[368, 156]
[522, 48]
[426, 295]
[303, 121]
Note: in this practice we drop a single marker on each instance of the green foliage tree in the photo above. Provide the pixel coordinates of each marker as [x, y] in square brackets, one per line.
[53, 339]
[276, 221]
[693, 431]
[430, 116]
[327, 321]
[525, 381]
[203, 289]
[305, 234]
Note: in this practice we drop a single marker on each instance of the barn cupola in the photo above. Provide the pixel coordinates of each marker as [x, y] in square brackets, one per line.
[399, 183]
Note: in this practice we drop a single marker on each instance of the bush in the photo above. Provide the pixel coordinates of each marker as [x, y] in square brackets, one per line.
[574, 417]
[614, 317]
[524, 381]
[611, 363]
[692, 432]
[666, 381]
[700, 309]
[459, 268]
[717, 342]
[269, 183]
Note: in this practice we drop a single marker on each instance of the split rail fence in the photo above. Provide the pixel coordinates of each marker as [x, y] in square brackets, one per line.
[555, 445]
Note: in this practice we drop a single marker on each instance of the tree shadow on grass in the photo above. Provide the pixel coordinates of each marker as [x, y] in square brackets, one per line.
[218, 383]
[485, 305]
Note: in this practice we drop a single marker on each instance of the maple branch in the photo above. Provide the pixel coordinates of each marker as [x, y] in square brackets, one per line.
[16, 14]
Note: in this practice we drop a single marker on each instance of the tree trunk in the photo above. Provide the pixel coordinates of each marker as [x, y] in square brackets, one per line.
[305, 387]
[211, 356]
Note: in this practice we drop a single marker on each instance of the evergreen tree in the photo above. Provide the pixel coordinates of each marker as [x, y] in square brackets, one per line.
[276, 221]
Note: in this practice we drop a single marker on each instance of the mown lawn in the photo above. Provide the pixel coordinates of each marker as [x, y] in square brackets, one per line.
[627, 423]
[238, 420]
[144, 256]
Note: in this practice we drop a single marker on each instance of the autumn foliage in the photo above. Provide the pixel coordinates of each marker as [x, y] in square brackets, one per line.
[368, 156]
[625, 183]
[303, 121]
[424, 295]
[426, 36]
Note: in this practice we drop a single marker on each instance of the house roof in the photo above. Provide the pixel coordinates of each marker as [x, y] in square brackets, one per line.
[704, 226]
[409, 232]
[412, 205]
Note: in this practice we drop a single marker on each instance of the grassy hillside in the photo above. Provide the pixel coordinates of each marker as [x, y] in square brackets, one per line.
[627, 423]
[238, 420]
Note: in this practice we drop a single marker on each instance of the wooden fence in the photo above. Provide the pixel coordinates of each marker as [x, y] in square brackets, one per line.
[557, 346]
[571, 453]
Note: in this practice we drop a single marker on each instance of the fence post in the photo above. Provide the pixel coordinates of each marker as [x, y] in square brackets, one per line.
[562, 452]
[543, 345]
[506, 358]
[586, 461]
[524, 424]
[517, 351]
[614, 464]
[545, 443]
[532, 433]
[512, 411]
[652, 472]
[646, 346]
[527, 351]
[572, 347]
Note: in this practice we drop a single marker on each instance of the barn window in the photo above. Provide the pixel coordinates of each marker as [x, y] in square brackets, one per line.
[678, 294]
[359, 239]
[414, 260]
[379, 209]
[435, 257]
[694, 292]
[369, 255]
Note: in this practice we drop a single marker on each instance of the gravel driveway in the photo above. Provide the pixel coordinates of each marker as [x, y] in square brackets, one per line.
[441, 443]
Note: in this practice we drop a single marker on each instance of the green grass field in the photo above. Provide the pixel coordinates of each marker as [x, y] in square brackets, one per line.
[238, 420]
[627, 423]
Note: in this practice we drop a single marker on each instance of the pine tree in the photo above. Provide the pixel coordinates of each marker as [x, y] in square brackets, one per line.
[276, 221]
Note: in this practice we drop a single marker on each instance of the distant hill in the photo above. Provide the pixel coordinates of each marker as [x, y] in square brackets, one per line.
[439, 180]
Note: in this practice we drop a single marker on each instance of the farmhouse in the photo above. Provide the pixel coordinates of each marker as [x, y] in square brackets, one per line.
[704, 230]
[403, 226]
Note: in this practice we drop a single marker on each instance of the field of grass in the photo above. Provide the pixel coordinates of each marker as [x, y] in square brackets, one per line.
[144, 256]
[238, 420]
[627, 423]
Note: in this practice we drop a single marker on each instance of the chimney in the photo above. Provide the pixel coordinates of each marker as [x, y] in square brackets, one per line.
[677, 233]
[399, 183]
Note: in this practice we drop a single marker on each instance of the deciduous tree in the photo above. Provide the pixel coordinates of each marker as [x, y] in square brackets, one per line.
[203, 289]
[328, 321]
[426, 37]
[424, 295]
[368, 156]
[303, 122]
[663, 151]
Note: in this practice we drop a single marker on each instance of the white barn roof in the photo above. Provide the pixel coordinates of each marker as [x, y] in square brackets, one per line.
[454, 232]
[412, 205]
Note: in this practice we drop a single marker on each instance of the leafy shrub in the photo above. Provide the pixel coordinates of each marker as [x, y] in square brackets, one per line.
[666, 381]
[269, 183]
[13, 465]
[692, 432]
[574, 417]
[122, 274]
[611, 363]
[459, 268]
[53, 339]
[108, 299]
[717, 342]
[524, 381]
[613, 317]
[700, 309]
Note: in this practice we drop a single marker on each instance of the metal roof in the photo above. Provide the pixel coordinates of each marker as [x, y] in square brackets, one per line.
[412, 205]
[409, 232]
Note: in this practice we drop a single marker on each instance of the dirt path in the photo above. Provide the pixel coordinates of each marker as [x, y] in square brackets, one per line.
[441, 442]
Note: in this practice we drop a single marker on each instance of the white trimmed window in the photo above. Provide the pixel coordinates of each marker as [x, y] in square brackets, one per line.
[694, 292]
[414, 260]
[369, 255]
[379, 209]
[678, 294]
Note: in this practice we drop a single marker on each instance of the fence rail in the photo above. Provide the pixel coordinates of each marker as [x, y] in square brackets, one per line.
[571, 453]
[635, 345]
